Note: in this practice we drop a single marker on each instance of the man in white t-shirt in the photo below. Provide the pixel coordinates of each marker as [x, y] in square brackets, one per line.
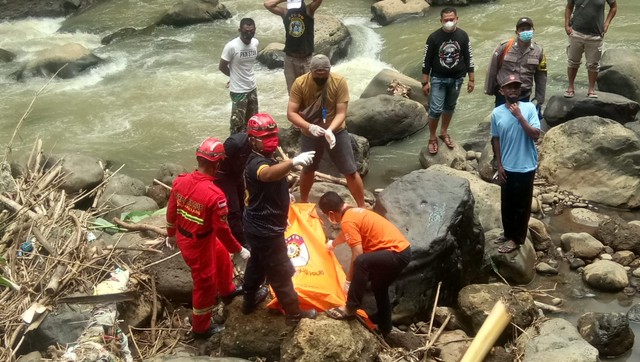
[237, 61]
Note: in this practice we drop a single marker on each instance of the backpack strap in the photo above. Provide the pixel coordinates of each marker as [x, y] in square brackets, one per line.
[505, 51]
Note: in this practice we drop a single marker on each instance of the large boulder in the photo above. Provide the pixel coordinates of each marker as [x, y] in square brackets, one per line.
[619, 235]
[384, 118]
[435, 212]
[620, 73]
[608, 105]
[553, 338]
[605, 275]
[597, 158]
[582, 245]
[20, 9]
[272, 55]
[6, 56]
[485, 194]
[331, 37]
[168, 172]
[127, 33]
[189, 12]
[455, 157]
[82, 172]
[476, 301]
[122, 184]
[380, 85]
[516, 267]
[126, 203]
[608, 332]
[388, 11]
[69, 60]
[173, 276]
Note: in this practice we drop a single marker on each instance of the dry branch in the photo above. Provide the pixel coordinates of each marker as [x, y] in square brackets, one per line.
[139, 227]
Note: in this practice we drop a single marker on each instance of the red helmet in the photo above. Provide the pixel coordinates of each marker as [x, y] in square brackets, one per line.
[211, 149]
[261, 124]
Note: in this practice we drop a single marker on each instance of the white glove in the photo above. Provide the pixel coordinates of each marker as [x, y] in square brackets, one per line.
[330, 246]
[304, 159]
[329, 136]
[245, 254]
[347, 284]
[316, 130]
[170, 241]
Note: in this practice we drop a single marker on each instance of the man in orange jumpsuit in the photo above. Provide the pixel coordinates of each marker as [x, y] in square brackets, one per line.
[197, 219]
[379, 253]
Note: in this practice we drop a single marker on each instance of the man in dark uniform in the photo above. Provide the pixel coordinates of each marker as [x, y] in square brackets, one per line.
[265, 220]
[299, 27]
[196, 220]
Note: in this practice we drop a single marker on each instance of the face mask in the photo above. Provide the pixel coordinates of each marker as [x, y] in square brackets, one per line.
[512, 100]
[320, 81]
[247, 36]
[526, 35]
[270, 144]
[449, 25]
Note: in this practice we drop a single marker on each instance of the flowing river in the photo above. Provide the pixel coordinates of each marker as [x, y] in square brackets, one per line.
[159, 95]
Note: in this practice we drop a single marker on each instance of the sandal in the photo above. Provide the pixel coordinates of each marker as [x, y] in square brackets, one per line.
[509, 247]
[339, 314]
[433, 146]
[447, 140]
[592, 95]
[569, 94]
[500, 240]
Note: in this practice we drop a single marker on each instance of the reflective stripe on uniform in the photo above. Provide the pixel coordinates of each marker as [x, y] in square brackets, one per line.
[202, 311]
[190, 217]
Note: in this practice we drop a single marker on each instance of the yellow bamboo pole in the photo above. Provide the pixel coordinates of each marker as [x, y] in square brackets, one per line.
[488, 334]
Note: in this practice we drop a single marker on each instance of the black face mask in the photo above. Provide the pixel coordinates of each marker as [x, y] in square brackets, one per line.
[512, 100]
[246, 36]
[320, 81]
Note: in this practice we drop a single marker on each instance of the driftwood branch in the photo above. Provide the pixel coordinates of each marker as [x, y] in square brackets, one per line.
[139, 227]
[54, 283]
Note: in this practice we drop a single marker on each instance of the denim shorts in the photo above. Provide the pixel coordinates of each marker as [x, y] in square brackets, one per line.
[444, 95]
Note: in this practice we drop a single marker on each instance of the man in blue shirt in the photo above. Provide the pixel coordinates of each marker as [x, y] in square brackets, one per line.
[514, 129]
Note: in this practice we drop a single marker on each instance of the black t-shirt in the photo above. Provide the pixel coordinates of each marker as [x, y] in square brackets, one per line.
[448, 55]
[237, 150]
[298, 26]
[267, 203]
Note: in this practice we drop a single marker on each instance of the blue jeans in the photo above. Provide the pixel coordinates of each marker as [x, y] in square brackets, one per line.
[443, 96]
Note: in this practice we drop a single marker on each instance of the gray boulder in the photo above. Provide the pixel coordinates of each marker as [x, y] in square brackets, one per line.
[517, 267]
[122, 184]
[189, 12]
[159, 194]
[485, 163]
[384, 118]
[476, 301]
[272, 55]
[608, 332]
[380, 83]
[435, 212]
[620, 73]
[619, 235]
[69, 60]
[479, 137]
[605, 275]
[82, 172]
[454, 158]
[127, 33]
[582, 245]
[20, 9]
[331, 37]
[634, 126]
[596, 158]
[453, 345]
[587, 217]
[126, 203]
[7, 183]
[608, 105]
[389, 11]
[540, 236]
[555, 337]
[168, 172]
[6, 56]
[173, 277]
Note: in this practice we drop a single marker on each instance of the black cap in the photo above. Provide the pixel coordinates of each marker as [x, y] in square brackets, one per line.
[511, 78]
[524, 20]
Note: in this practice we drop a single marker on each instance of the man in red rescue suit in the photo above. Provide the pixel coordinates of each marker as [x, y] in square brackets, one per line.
[197, 220]
[265, 220]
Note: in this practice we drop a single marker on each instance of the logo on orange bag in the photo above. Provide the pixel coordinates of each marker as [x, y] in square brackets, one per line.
[297, 250]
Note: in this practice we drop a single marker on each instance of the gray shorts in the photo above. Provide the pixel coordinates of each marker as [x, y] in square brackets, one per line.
[295, 67]
[341, 154]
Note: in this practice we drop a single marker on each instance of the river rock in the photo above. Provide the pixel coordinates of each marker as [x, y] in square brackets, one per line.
[168, 172]
[455, 321]
[633, 314]
[634, 126]
[159, 194]
[82, 172]
[582, 245]
[6, 56]
[20, 9]
[7, 183]
[389, 11]
[325, 338]
[74, 57]
[476, 301]
[624, 257]
[518, 266]
[618, 234]
[127, 203]
[380, 83]
[486, 196]
[594, 157]
[61, 326]
[608, 105]
[122, 184]
[608, 332]
[173, 276]
[540, 236]
[384, 118]
[272, 55]
[453, 345]
[30, 357]
[587, 217]
[127, 33]
[320, 188]
[455, 158]
[331, 37]
[546, 269]
[552, 338]
[189, 12]
[137, 313]
[605, 275]
[446, 239]
[620, 73]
